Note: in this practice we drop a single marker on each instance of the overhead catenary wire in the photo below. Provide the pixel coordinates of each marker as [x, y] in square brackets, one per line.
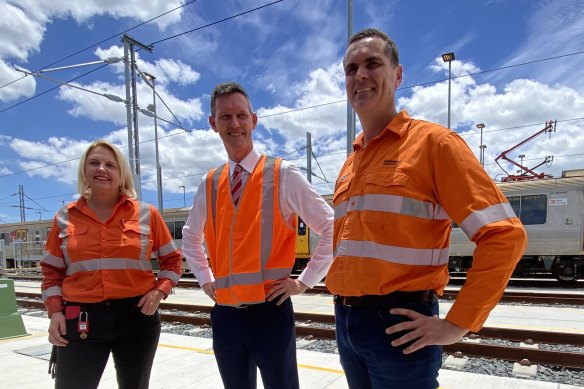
[159, 41]
[102, 41]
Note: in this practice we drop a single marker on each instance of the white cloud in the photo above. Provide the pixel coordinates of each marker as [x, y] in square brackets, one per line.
[83, 11]
[9, 91]
[322, 86]
[165, 70]
[96, 107]
[21, 35]
[24, 22]
[520, 102]
[556, 28]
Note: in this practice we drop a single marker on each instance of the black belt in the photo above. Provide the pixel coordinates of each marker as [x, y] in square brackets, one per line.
[398, 297]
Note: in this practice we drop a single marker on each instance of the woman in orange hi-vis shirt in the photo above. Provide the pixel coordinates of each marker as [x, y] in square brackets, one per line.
[98, 286]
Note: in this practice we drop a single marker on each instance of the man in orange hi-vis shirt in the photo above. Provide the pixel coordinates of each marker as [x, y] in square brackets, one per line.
[394, 201]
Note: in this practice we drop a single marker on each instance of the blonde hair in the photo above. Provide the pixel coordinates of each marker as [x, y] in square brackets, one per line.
[126, 181]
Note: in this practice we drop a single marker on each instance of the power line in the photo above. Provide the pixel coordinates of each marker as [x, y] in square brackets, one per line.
[216, 22]
[102, 41]
[159, 41]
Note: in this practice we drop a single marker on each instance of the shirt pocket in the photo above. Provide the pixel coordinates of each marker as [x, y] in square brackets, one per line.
[383, 198]
[136, 235]
[76, 239]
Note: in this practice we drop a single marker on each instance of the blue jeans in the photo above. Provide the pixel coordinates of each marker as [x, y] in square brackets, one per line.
[369, 359]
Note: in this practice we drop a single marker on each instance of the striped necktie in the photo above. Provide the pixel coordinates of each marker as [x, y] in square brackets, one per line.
[236, 183]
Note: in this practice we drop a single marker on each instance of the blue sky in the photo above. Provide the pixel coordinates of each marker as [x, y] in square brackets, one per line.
[288, 55]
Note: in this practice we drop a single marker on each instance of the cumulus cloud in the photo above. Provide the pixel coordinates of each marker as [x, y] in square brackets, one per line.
[23, 24]
[97, 107]
[323, 86]
[516, 104]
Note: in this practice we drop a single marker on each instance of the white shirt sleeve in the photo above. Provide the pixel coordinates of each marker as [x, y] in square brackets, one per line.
[194, 235]
[298, 196]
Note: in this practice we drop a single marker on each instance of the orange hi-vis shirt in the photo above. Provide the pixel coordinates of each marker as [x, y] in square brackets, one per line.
[394, 202]
[90, 261]
[251, 244]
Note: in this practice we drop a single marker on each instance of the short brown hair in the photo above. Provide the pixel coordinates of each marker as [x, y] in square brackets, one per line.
[225, 89]
[126, 179]
[390, 46]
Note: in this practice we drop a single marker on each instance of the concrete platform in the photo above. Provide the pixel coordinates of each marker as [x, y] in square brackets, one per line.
[186, 362]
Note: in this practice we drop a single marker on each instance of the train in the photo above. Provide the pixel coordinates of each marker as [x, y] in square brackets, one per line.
[551, 209]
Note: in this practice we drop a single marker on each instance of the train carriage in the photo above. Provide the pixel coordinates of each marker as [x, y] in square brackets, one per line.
[552, 211]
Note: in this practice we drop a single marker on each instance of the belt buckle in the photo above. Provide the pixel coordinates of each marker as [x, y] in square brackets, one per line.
[242, 306]
[342, 300]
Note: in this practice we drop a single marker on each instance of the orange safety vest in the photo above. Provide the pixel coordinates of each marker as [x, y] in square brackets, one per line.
[251, 244]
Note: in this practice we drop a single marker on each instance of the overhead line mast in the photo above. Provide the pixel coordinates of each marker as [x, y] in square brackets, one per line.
[132, 108]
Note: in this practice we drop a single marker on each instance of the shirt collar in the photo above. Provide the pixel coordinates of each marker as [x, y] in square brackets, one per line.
[398, 125]
[248, 163]
[82, 202]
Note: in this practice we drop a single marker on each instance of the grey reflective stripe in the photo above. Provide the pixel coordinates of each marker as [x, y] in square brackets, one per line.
[392, 204]
[168, 248]
[267, 211]
[478, 219]
[108, 264]
[168, 274]
[63, 223]
[53, 261]
[214, 189]
[341, 209]
[52, 291]
[144, 222]
[252, 278]
[401, 255]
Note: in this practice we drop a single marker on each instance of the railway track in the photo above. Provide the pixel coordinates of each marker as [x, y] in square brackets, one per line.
[199, 315]
[510, 296]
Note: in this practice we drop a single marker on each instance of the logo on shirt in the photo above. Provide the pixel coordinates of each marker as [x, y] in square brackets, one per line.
[391, 162]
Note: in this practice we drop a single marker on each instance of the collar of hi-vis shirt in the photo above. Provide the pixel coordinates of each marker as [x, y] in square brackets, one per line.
[82, 206]
[398, 125]
[248, 163]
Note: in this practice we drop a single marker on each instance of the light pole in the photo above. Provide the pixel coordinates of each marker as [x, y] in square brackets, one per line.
[448, 57]
[184, 196]
[482, 147]
[521, 158]
[149, 79]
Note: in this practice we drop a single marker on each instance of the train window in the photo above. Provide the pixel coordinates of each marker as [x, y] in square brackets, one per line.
[533, 209]
[178, 226]
[170, 226]
[530, 209]
[5, 237]
[301, 227]
[515, 202]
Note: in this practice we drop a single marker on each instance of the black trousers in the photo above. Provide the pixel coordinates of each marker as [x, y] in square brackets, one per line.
[259, 336]
[117, 327]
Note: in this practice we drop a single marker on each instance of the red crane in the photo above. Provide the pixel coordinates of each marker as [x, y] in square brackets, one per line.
[525, 172]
